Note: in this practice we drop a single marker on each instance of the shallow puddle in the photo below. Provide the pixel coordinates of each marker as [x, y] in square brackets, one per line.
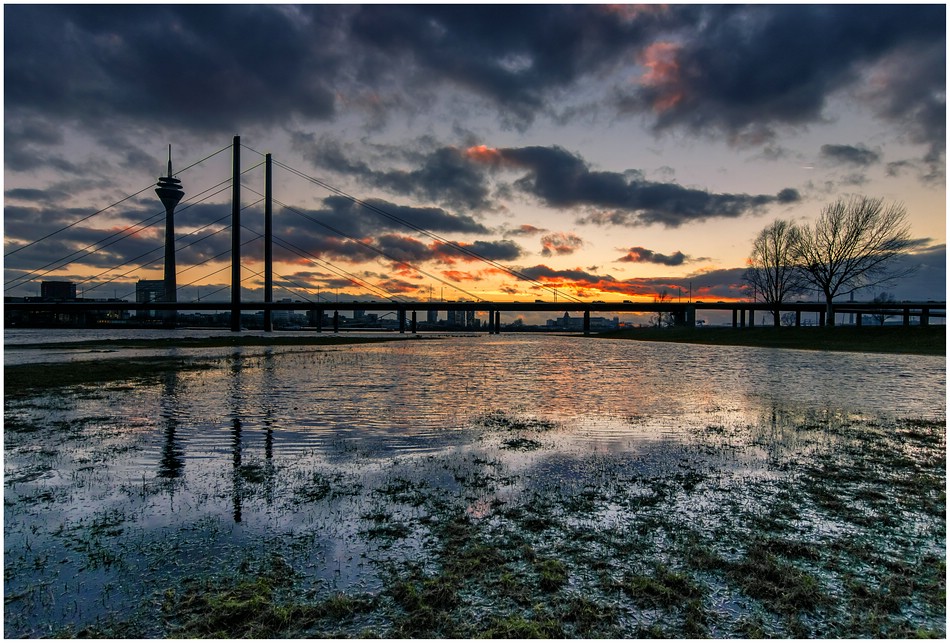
[361, 468]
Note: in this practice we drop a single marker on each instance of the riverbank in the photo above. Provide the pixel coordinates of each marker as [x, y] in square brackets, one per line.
[25, 379]
[915, 340]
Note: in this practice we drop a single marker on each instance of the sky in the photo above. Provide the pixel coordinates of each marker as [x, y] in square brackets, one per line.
[498, 152]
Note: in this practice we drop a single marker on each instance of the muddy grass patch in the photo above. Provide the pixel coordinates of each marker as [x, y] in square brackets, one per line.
[475, 544]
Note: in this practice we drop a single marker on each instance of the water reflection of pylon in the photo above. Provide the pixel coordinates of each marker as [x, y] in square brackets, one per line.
[238, 488]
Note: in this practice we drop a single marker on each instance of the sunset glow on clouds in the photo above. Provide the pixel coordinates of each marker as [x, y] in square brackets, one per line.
[612, 152]
[662, 74]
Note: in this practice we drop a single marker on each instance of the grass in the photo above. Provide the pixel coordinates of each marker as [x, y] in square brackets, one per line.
[842, 536]
[549, 564]
[927, 340]
[23, 379]
[223, 341]
[29, 379]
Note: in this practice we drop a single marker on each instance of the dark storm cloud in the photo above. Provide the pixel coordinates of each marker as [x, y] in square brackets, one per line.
[504, 250]
[643, 255]
[36, 195]
[210, 68]
[850, 154]
[514, 55]
[743, 70]
[357, 220]
[562, 180]
[740, 71]
[445, 175]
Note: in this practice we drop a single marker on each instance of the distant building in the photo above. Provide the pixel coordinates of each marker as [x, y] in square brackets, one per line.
[148, 291]
[57, 290]
[577, 323]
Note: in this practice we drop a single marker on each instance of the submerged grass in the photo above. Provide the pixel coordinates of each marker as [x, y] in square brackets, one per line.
[757, 572]
[843, 535]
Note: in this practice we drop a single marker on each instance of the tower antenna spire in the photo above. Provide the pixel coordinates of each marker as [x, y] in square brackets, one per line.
[169, 160]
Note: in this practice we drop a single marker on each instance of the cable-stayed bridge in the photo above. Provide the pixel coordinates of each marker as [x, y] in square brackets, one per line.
[167, 304]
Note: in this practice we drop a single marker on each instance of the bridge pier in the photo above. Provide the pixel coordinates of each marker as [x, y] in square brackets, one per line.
[924, 316]
[316, 319]
[412, 325]
[498, 322]
[402, 320]
[336, 321]
[586, 323]
[798, 319]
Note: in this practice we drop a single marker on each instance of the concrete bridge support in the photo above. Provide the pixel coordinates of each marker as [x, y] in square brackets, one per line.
[336, 321]
[498, 322]
[402, 320]
[412, 324]
[586, 322]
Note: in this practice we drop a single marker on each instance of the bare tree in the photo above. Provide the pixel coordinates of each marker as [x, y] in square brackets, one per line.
[852, 245]
[882, 316]
[662, 318]
[772, 271]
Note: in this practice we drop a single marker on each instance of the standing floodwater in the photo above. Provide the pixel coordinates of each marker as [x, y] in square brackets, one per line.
[633, 482]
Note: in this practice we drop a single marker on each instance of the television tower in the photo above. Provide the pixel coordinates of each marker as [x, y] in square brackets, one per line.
[170, 192]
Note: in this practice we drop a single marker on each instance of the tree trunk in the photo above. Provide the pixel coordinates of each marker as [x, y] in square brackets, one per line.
[829, 312]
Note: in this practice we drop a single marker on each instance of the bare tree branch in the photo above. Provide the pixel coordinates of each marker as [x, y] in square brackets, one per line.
[852, 246]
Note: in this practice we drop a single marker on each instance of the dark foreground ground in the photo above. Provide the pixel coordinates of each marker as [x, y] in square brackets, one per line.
[847, 541]
[927, 340]
[838, 530]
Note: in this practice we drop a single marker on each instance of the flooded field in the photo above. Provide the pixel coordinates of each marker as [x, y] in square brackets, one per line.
[479, 486]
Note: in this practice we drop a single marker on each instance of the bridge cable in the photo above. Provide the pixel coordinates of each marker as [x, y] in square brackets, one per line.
[74, 223]
[125, 232]
[375, 249]
[379, 290]
[160, 248]
[24, 278]
[456, 246]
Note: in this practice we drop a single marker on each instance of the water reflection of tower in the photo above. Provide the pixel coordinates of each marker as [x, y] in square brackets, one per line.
[170, 192]
[172, 461]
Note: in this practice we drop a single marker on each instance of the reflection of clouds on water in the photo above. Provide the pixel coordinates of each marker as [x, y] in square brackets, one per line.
[302, 444]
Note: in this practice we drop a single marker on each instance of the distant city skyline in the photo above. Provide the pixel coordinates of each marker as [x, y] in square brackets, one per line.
[607, 152]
